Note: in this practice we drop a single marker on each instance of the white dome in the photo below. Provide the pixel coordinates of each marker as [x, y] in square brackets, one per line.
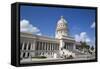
[62, 23]
[61, 29]
[62, 20]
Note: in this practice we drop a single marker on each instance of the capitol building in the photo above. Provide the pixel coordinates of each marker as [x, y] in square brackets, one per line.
[62, 46]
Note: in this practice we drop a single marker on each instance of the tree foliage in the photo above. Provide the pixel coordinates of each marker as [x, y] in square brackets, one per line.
[84, 45]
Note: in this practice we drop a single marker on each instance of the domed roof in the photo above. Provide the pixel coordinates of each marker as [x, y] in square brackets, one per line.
[62, 20]
[62, 28]
[62, 23]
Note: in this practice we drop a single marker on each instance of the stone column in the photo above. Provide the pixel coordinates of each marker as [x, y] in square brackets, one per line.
[50, 49]
[39, 48]
[33, 46]
[61, 44]
[54, 46]
[22, 50]
[66, 45]
[51, 46]
[41, 45]
[42, 48]
[44, 45]
[58, 46]
[74, 46]
[71, 46]
[27, 49]
[30, 54]
[47, 46]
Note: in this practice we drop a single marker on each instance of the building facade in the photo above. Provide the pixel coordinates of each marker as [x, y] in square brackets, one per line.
[32, 45]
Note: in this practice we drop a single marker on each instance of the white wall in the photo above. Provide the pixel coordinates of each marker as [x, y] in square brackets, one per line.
[5, 25]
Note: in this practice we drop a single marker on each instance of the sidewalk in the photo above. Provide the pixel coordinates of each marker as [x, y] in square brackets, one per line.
[52, 60]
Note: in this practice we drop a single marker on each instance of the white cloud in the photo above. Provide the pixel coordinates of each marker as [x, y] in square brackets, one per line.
[25, 26]
[82, 37]
[77, 38]
[93, 25]
[39, 34]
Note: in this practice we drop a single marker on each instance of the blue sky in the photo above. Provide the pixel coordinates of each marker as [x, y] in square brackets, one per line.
[45, 19]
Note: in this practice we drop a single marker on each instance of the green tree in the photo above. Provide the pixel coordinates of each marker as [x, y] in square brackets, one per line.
[84, 45]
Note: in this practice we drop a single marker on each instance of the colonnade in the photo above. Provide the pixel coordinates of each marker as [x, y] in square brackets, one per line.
[46, 46]
[32, 48]
[69, 46]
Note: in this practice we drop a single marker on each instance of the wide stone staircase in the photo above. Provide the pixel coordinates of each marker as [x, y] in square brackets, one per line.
[66, 53]
[76, 54]
[80, 54]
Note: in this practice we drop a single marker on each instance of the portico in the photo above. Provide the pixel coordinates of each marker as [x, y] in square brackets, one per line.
[37, 46]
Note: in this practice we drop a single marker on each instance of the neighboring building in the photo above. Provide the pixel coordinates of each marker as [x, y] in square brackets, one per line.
[35, 45]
